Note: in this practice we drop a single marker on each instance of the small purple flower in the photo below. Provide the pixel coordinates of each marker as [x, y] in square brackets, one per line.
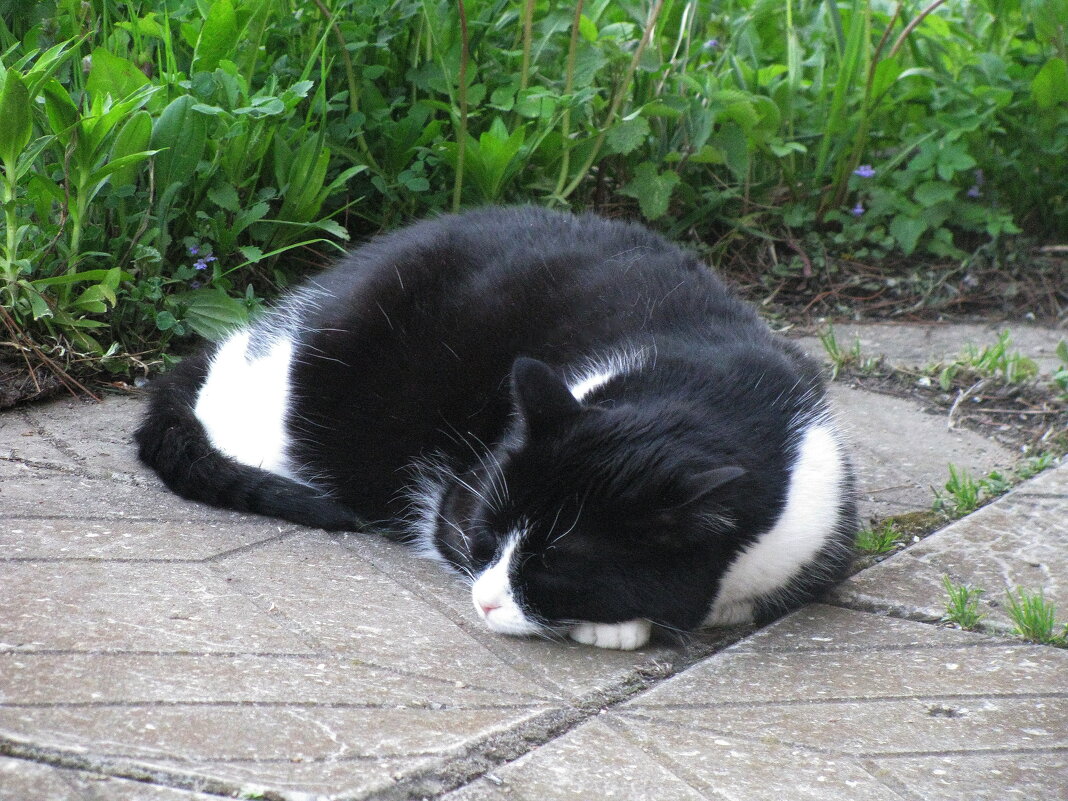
[857, 210]
[710, 45]
[974, 191]
[864, 171]
[210, 258]
[200, 264]
[193, 250]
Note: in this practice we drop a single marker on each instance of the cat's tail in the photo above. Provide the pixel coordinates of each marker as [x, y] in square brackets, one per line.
[172, 441]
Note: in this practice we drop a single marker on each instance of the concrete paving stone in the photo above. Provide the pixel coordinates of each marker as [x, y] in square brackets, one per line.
[20, 439]
[60, 495]
[591, 762]
[983, 777]
[24, 780]
[50, 539]
[357, 612]
[101, 606]
[50, 679]
[94, 437]
[822, 705]
[894, 478]
[301, 779]
[1015, 542]
[198, 733]
[920, 344]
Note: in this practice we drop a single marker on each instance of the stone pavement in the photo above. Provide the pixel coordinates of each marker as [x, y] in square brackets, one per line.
[156, 649]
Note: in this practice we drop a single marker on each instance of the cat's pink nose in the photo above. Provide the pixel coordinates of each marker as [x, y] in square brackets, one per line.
[487, 607]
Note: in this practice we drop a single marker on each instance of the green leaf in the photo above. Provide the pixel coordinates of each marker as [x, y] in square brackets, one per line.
[133, 137]
[212, 313]
[218, 36]
[627, 135]
[181, 134]
[17, 127]
[112, 75]
[1050, 86]
[59, 108]
[652, 189]
[907, 231]
[224, 196]
[587, 28]
[931, 192]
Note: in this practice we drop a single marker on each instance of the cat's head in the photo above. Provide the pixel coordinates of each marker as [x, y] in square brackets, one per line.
[592, 513]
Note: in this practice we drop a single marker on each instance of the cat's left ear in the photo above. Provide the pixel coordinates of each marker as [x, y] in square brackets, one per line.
[542, 396]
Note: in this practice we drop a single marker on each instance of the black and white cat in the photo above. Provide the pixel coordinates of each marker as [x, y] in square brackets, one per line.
[572, 412]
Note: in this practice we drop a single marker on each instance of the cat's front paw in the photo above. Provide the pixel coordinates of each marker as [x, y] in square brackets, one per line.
[621, 636]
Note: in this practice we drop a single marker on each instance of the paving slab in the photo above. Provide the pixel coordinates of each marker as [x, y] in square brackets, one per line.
[1016, 542]
[921, 344]
[23, 780]
[826, 704]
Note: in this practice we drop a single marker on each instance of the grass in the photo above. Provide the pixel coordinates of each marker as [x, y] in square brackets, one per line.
[962, 604]
[1034, 618]
[996, 361]
[880, 539]
[962, 493]
[841, 358]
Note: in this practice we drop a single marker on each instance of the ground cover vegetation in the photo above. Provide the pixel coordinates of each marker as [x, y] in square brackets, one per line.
[167, 164]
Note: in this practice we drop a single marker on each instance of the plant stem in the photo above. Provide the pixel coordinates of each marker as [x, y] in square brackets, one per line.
[565, 120]
[457, 188]
[617, 101]
[528, 26]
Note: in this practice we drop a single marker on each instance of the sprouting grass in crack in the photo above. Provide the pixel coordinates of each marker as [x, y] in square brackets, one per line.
[962, 604]
[1034, 618]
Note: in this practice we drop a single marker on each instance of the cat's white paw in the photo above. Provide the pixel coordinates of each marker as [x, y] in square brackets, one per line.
[621, 636]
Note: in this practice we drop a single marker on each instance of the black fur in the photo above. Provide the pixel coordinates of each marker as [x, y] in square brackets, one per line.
[443, 350]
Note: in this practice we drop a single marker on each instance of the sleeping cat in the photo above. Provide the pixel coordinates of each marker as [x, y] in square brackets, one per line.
[570, 411]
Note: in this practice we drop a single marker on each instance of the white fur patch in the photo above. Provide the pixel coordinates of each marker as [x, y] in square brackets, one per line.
[620, 636]
[242, 403]
[492, 591]
[598, 372]
[808, 519]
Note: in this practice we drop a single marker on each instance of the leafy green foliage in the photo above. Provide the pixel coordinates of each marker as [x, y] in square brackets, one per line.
[135, 131]
[879, 540]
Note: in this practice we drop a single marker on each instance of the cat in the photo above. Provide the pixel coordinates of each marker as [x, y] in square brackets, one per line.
[570, 411]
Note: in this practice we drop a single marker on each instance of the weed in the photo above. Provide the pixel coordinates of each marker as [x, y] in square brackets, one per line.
[879, 540]
[1033, 465]
[1060, 375]
[840, 359]
[962, 606]
[1034, 618]
[962, 493]
[995, 361]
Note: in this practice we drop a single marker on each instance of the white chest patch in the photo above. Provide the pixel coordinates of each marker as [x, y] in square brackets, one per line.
[242, 404]
[493, 599]
[807, 521]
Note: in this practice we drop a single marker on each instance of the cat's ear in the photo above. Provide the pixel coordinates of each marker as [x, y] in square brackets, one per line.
[541, 395]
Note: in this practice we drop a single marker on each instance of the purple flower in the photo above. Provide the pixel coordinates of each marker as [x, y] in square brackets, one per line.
[710, 45]
[210, 258]
[193, 250]
[974, 191]
[857, 210]
[864, 171]
[200, 264]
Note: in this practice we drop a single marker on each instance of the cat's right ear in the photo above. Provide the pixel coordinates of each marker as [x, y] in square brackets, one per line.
[540, 394]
